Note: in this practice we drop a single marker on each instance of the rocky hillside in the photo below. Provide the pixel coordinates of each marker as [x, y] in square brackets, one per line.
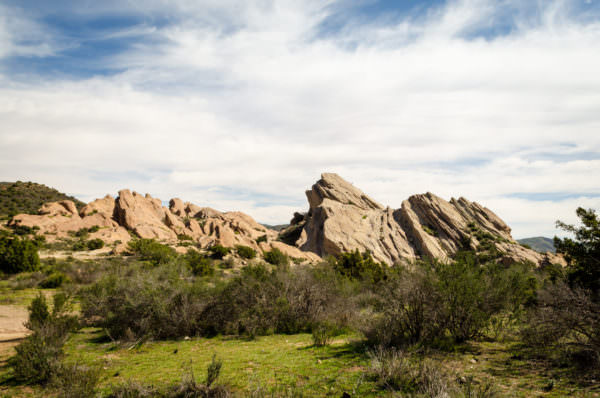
[27, 197]
[115, 221]
[342, 218]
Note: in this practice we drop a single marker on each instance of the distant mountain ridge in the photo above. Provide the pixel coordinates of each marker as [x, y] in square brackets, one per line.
[27, 197]
[539, 243]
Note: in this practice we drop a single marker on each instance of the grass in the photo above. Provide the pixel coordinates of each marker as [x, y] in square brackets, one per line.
[267, 362]
[273, 362]
[20, 297]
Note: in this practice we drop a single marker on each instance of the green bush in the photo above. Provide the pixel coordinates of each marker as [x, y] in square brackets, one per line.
[218, 252]
[18, 255]
[95, 244]
[199, 263]
[79, 245]
[276, 257]
[322, 333]
[137, 302]
[54, 280]
[152, 251]
[245, 252]
[358, 265]
[37, 360]
[262, 238]
[455, 300]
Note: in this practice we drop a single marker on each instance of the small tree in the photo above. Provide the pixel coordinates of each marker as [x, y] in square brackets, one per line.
[18, 255]
[583, 252]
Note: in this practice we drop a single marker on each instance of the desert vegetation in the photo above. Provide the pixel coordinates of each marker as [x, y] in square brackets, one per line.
[396, 327]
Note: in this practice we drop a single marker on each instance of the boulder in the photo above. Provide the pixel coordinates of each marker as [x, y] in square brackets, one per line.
[143, 215]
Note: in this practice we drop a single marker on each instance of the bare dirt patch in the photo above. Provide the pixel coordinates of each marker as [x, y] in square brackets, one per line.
[12, 318]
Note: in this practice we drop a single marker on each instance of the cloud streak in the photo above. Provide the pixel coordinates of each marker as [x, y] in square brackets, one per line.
[241, 105]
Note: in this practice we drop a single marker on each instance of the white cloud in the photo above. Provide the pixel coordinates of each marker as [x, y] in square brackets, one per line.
[242, 96]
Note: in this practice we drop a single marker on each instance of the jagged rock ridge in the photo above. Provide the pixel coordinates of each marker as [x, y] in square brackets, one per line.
[342, 218]
[146, 217]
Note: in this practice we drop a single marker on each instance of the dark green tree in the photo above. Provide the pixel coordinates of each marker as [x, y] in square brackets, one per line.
[18, 255]
[583, 251]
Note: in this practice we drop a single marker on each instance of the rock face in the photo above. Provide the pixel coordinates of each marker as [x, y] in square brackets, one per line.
[342, 218]
[146, 217]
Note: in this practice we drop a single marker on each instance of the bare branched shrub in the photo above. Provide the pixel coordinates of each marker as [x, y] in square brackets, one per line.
[566, 318]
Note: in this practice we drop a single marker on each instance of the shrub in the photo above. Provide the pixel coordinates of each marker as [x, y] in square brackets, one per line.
[38, 356]
[568, 319]
[262, 238]
[18, 255]
[218, 252]
[153, 252]
[322, 333]
[54, 280]
[260, 301]
[440, 300]
[95, 244]
[76, 381]
[358, 265]
[79, 245]
[245, 251]
[199, 263]
[139, 303]
[276, 257]
[392, 370]
[568, 312]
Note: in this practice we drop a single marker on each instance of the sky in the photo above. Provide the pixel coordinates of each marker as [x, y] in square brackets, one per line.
[241, 105]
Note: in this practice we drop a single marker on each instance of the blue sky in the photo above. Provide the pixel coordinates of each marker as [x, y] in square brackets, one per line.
[240, 105]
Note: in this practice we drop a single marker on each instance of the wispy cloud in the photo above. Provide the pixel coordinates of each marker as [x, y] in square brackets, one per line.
[483, 99]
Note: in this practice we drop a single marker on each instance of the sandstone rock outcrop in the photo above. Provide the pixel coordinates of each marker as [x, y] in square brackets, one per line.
[58, 220]
[342, 218]
[146, 217]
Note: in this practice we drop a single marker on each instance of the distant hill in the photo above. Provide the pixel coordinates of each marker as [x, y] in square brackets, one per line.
[278, 227]
[539, 243]
[27, 197]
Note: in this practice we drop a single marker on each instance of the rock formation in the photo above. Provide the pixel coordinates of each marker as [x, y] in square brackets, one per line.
[342, 218]
[146, 217]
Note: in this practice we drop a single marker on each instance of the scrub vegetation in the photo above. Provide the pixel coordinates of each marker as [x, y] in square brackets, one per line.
[161, 323]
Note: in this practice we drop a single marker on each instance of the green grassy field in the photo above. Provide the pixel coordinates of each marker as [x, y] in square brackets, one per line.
[291, 364]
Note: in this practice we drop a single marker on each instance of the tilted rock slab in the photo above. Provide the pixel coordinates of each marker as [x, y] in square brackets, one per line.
[342, 218]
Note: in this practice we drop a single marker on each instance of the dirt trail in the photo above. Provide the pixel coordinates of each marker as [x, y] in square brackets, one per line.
[12, 318]
[12, 330]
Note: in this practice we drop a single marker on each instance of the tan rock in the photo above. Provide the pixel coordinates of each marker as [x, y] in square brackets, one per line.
[61, 208]
[341, 218]
[143, 215]
[176, 206]
[104, 206]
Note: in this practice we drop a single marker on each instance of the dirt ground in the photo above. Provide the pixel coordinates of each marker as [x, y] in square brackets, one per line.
[12, 330]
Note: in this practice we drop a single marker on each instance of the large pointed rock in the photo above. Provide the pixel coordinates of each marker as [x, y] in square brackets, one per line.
[342, 218]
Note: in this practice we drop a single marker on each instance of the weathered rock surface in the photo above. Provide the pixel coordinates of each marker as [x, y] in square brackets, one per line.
[342, 218]
[146, 217]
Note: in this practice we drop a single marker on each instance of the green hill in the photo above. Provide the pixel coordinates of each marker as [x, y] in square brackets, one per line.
[27, 197]
[539, 243]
